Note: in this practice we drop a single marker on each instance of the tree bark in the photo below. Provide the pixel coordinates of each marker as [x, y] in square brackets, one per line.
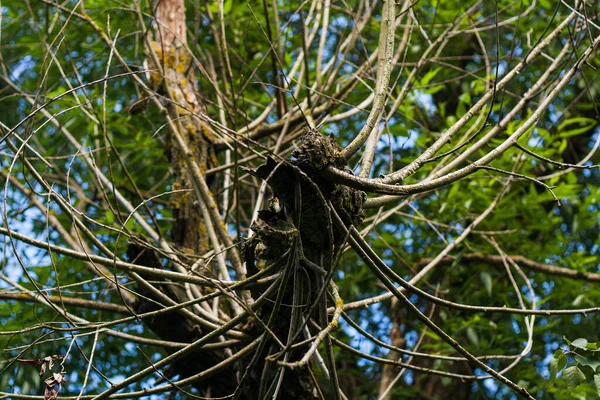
[172, 78]
[176, 78]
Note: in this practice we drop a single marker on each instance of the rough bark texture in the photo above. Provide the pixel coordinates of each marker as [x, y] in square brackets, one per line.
[173, 79]
[298, 231]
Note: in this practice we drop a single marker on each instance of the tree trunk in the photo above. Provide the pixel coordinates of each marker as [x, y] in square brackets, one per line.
[176, 78]
[294, 232]
[429, 386]
[172, 78]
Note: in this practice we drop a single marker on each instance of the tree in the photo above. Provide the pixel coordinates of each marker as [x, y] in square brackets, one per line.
[299, 200]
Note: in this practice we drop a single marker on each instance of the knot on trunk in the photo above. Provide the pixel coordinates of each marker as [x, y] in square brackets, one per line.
[315, 151]
[274, 235]
[296, 232]
[349, 202]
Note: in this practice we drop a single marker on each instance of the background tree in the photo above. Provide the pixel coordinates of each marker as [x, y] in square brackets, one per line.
[299, 199]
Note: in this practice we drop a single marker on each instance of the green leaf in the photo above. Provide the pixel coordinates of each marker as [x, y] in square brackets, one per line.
[573, 377]
[454, 190]
[597, 383]
[465, 98]
[562, 145]
[214, 8]
[590, 361]
[434, 89]
[585, 125]
[579, 343]
[486, 279]
[130, 224]
[477, 86]
[110, 217]
[458, 259]
[591, 346]
[558, 362]
[429, 76]
[577, 302]
[473, 337]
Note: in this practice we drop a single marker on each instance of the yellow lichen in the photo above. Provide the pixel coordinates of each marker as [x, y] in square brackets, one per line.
[190, 128]
[202, 230]
[155, 80]
[208, 134]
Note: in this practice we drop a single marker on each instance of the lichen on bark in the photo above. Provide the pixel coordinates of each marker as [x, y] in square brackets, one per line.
[316, 151]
